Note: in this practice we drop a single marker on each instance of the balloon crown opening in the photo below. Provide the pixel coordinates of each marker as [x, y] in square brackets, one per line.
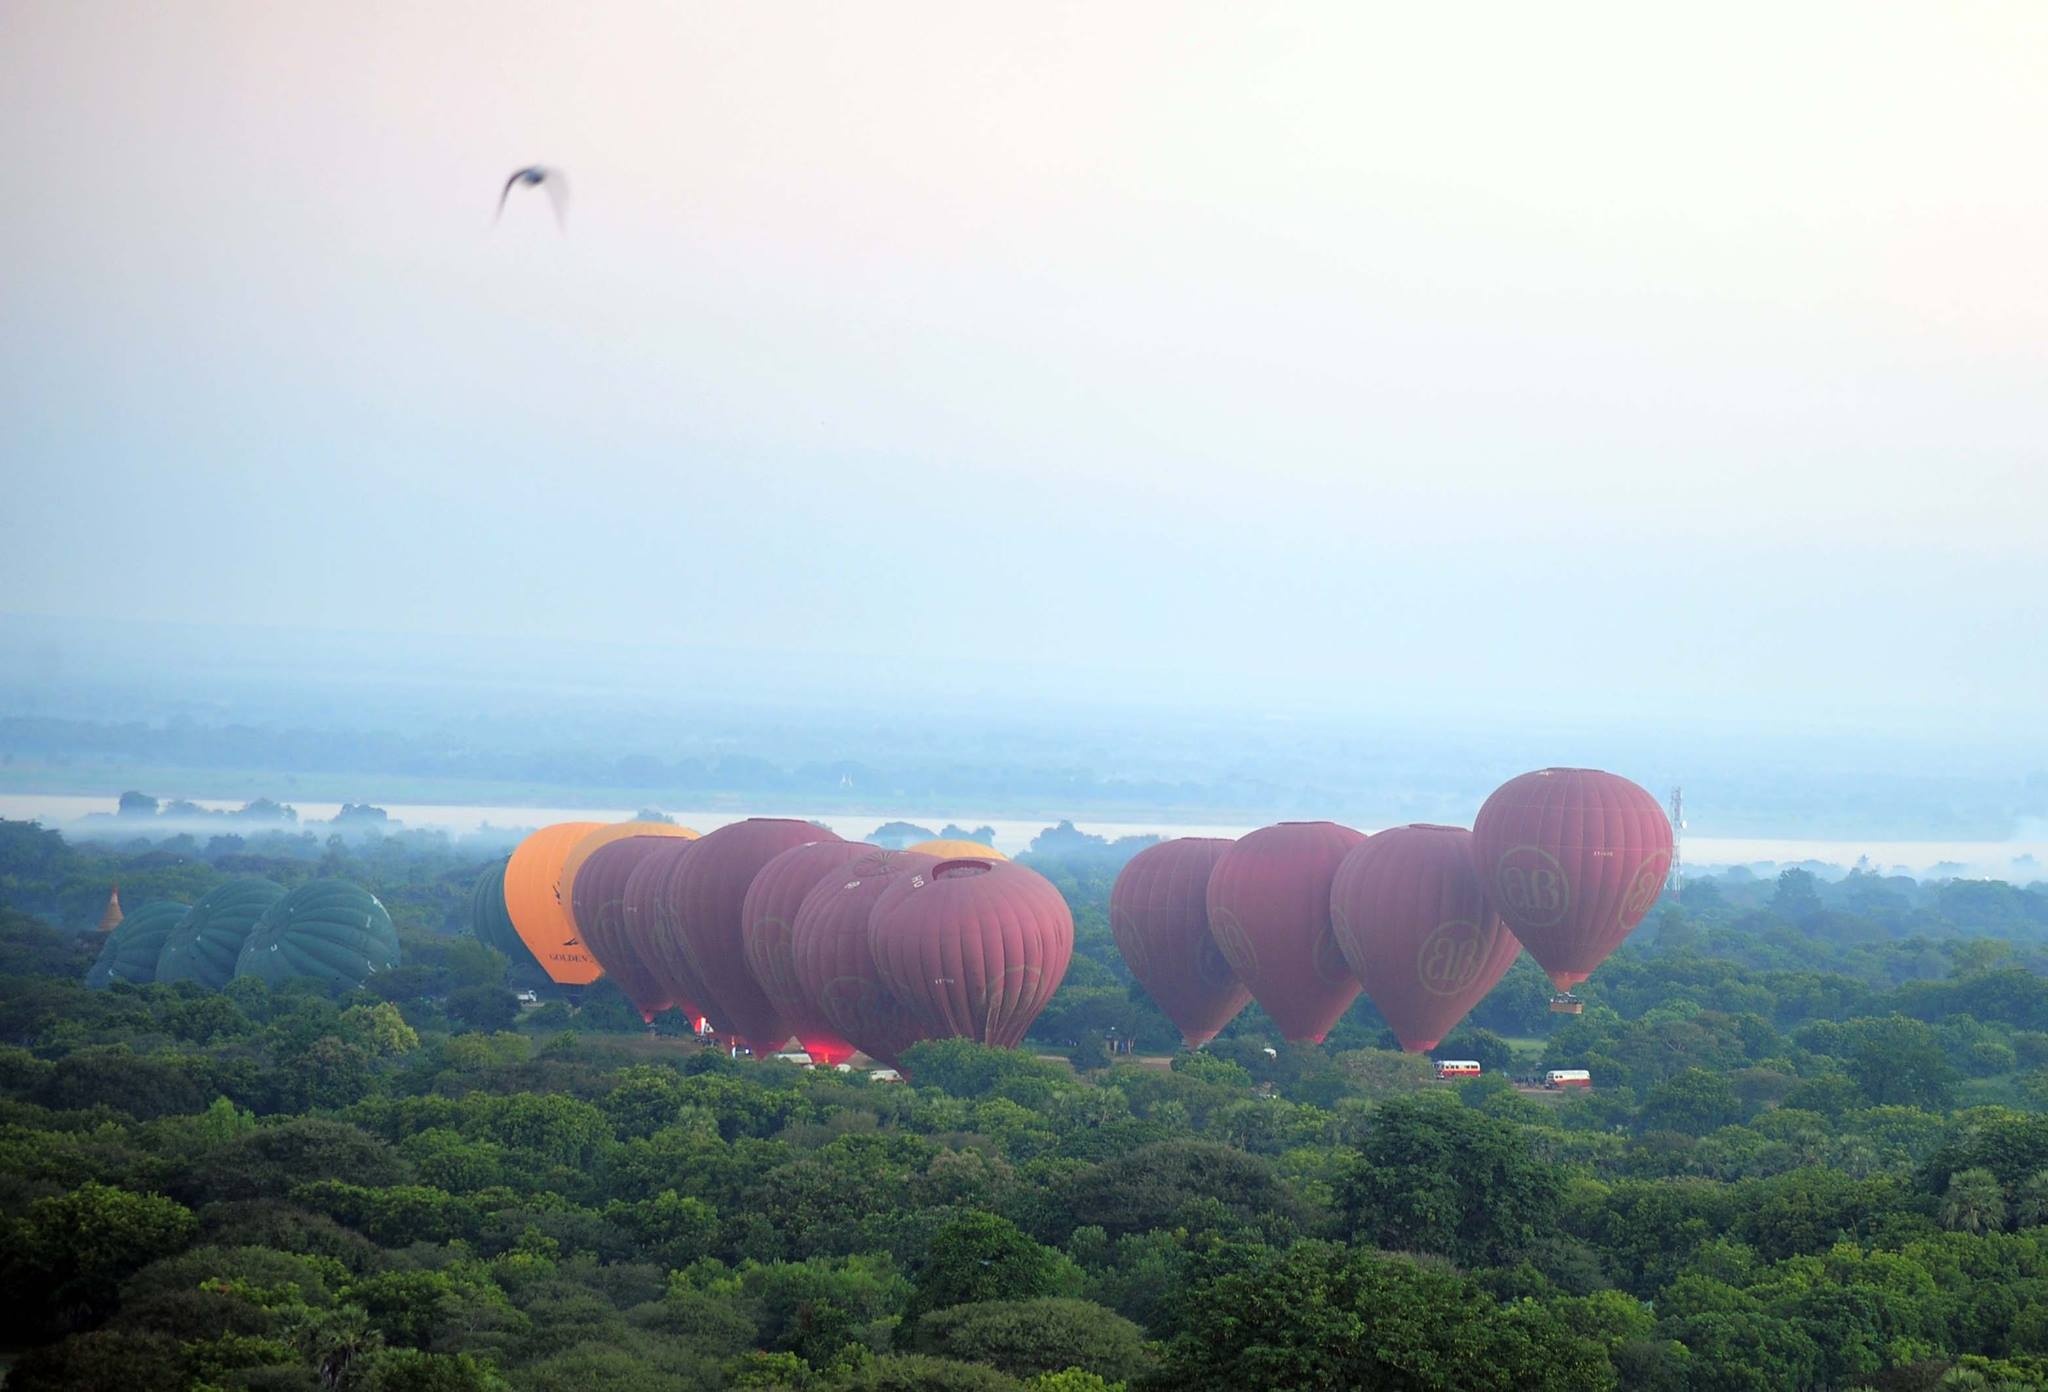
[960, 869]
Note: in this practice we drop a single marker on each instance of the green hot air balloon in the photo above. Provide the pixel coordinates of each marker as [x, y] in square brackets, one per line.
[131, 950]
[206, 942]
[327, 929]
[491, 923]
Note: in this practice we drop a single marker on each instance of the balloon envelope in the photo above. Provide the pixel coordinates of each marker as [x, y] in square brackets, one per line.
[205, 944]
[975, 947]
[767, 923]
[707, 892]
[599, 908]
[589, 845]
[1269, 910]
[542, 920]
[1159, 915]
[1415, 926]
[330, 930]
[1573, 859]
[835, 965]
[651, 931]
[130, 952]
[489, 924]
[952, 847]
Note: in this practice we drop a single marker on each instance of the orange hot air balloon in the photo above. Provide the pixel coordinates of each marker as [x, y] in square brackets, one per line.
[588, 846]
[953, 848]
[1269, 911]
[1415, 925]
[542, 920]
[1573, 859]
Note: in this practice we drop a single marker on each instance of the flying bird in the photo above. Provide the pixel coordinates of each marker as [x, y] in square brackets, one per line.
[550, 181]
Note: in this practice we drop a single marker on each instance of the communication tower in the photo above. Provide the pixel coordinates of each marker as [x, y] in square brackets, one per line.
[1677, 845]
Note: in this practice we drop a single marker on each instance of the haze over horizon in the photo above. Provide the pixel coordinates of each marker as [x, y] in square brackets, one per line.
[1674, 371]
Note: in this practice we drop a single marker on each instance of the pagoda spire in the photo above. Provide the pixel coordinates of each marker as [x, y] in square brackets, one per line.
[110, 917]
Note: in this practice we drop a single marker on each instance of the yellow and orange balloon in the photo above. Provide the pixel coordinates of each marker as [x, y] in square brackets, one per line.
[540, 880]
[951, 848]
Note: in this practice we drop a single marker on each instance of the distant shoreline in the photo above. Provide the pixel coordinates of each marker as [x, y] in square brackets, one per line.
[2018, 861]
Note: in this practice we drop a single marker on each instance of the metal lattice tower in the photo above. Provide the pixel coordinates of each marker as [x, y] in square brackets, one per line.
[1677, 845]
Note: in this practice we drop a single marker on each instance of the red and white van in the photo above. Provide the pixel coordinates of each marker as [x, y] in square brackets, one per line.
[1452, 1070]
[1567, 1078]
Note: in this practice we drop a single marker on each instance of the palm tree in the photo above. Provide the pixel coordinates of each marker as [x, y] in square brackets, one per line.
[2030, 1204]
[1974, 1203]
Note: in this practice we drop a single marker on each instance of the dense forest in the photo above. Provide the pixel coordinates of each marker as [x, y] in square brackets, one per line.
[1816, 1156]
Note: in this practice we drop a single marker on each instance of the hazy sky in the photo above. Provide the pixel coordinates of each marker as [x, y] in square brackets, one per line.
[1507, 360]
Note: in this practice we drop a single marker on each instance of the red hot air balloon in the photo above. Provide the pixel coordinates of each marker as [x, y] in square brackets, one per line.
[1269, 911]
[598, 904]
[835, 966]
[707, 891]
[974, 947]
[650, 931]
[1415, 926]
[1159, 914]
[767, 923]
[1573, 859]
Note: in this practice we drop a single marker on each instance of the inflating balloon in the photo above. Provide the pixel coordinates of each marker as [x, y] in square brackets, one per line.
[1573, 859]
[975, 947]
[1414, 924]
[1269, 910]
[1159, 915]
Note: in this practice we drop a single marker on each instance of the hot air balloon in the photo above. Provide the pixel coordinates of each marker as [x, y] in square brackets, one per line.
[1159, 914]
[489, 924]
[207, 940]
[1573, 859]
[588, 846]
[835, 966]
[651, 931]
[1415, 926]
[599, 909]
[327, 929]
[975, 947]
[707, 892]
[541, 919]
[952, 847]
[130, 952]
[767, 918]
[1269, 910]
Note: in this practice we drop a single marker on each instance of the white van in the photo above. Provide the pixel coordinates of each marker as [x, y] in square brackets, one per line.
[1567, 1078]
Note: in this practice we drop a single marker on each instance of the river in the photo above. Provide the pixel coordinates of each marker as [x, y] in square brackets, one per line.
[2021, 861]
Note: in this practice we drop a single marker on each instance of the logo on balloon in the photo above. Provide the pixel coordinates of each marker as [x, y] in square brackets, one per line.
[861, 1010]
[1235, 944]
[1212, 968]
[1450, 957]
[1009, 1006]
[1530, 888]
[1644, 889]
[1327, 958]
[774, 958]
[1130, 942]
